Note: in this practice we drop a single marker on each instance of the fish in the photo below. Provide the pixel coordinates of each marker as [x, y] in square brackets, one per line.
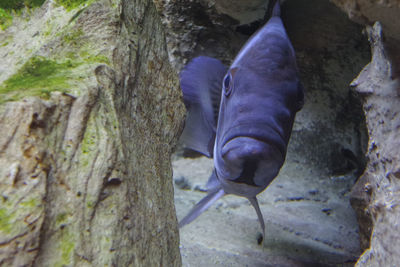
[242, 115]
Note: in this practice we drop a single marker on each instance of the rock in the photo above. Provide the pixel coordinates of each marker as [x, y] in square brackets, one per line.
[196, 28]
[243, 11]
[367, 12]
[376, 196]
[182, 183]
[90, 112]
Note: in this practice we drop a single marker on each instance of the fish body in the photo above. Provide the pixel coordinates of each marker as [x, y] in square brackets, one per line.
[242, 116]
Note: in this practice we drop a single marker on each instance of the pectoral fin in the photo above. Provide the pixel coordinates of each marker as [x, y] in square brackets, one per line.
[202, 206]
[201, 82]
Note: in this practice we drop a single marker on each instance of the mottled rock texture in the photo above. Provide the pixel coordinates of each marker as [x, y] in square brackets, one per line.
[90, 112]
[376, 196]
[366, 12]
[196, 28]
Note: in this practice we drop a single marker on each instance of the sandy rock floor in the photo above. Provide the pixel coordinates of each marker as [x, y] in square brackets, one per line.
[309, 221]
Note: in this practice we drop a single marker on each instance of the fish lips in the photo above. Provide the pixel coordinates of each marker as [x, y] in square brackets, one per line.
[249, 166]
[242, 148]
[262, 139]
[251, 161]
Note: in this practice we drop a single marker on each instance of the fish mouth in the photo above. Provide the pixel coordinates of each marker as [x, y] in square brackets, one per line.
[249, 162]
[255, 144]
[243, 137]
[266, 135]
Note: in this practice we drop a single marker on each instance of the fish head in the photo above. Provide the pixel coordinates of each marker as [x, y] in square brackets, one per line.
[251, 139]
[261, 94]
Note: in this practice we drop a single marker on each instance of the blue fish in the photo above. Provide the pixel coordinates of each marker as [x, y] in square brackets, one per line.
[242, 116]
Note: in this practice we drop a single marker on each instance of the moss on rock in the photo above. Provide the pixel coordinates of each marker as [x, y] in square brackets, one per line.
[5, 19]
[8, 9]
[5, 221]
[71, 4]
[66, 248]
[37, 77]
[19, 4]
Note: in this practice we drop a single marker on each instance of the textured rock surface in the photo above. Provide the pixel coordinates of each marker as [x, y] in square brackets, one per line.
[85, 176]
[377, 193]
[243, 11]
[375, 197]
[307, 209]
[90, 111]
[366, 12]
[198, 29]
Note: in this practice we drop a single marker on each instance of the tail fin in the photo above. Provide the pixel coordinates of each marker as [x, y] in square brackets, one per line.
[202, 206]
[276, 11]
[254, 203]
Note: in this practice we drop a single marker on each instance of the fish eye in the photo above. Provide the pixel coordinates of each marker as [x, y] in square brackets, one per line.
[227, 84]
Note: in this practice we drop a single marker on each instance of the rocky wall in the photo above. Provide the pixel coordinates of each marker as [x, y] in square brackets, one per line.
[90, 111]
[376, 196]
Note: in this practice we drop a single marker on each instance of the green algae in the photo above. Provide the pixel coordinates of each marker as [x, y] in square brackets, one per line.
[72, 38]
[61, 217]
[41, 76]
[95, 58]
[90, 204]
[89, 141]
[10, 8]
[80, 48]
[12, 214]
[5, 221]
[77, 14]
[66, 247]
[20, 4]
[4, 44]
[71, 4]
[31, 203]
[37, 77]
[89, 145]
[5, 19]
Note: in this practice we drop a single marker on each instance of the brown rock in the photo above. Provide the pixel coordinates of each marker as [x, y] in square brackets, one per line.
[378, 190]
[366, 12]
[85, 172]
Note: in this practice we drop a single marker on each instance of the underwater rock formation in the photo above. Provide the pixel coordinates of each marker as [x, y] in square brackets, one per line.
[90, 112]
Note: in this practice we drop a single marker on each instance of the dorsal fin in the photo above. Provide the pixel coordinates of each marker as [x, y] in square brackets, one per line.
[201, 82]
[276, 11]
